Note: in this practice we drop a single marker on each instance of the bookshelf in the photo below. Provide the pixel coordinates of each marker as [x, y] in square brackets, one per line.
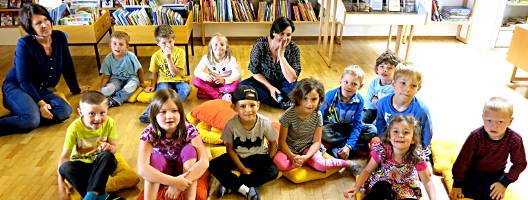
[510, 13]
[462, 34]
[204, 18]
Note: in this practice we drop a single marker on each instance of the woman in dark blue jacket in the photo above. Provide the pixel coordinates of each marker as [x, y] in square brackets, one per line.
[40, 59]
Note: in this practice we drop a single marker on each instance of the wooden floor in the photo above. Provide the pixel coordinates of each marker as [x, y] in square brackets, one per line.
[457, 80]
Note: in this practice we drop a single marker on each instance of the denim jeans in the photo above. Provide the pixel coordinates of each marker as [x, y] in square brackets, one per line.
[120, 90]
[182, 88]
[264, 94]
[25, 113]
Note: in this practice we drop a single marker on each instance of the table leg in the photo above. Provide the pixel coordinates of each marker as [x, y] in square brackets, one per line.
[187, 58]
[96, 49]
[192, 42]
[135, 50]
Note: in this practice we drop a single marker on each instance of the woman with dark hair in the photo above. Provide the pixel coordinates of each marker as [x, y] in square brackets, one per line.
[275, 63]
[40, 59]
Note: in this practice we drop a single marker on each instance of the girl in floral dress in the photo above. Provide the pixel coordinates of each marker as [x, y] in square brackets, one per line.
[397, 165]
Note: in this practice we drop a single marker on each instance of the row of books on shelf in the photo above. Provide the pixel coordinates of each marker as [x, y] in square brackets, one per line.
[78, 12]
[518, 1]
[143, 15]
[243, 10]
[449, 13]
[9, 19]
[406, 6]
[13, 3]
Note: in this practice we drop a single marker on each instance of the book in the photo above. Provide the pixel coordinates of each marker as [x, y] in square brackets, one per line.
[376, 5]
[394, 5]
[6, 19]
[4, 3]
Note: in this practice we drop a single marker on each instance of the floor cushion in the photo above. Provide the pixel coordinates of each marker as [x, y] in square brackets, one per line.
[305, 173]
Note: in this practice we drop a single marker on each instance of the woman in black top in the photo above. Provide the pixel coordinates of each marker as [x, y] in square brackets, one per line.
[275, 63]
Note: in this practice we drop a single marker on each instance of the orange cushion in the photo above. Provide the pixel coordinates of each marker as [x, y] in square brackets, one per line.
[201, 190]
[215, 113]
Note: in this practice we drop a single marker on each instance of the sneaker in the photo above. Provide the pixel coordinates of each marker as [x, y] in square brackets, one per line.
[253, 194]
[111, 196]
[112, 102]
[144, 118]
[226, 97]
[222, 190]
[354, 168]
[285, 104]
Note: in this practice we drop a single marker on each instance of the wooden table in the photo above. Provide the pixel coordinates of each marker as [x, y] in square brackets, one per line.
[518, 51]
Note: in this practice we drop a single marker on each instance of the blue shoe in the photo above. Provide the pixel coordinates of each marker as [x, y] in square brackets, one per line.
[144, 118]
[90, 196]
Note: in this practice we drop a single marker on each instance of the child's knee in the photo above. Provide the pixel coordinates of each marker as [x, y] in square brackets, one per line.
[131, 86]
[66, 169]
[108, 89]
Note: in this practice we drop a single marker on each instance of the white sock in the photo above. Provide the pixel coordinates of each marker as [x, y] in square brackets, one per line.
[243, 189]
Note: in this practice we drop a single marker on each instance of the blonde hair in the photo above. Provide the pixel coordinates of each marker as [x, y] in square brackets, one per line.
[411, 155]
[387, 57]
[499, 104]
[210, 54]
[121, 35]
[163, 31]
[356, 71]
[410, 70]
[157, 102]
[92, 97]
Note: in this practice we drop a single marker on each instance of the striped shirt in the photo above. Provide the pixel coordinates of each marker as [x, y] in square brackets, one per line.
[300, 132]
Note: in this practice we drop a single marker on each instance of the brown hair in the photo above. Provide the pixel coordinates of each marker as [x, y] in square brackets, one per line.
[27, 13]
[411, 155]
[210, 54]
[163, 31]
[304, 87]
[387, 57]
[121, 35]
[93, 97]
[157, 102]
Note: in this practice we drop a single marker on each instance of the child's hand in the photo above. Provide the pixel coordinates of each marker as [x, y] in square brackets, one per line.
[374, 98]
[143, 85]
[350, 193]
[105, 146]
[181, 182]
[167, 51]
[149, 89]
[210, 78]
[344, 152]
[299, 160]
[456, 193]
[247, 171]
[172, 192]
[220, 80]
[497, 191]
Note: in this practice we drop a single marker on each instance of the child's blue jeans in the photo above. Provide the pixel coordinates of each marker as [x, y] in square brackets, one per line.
[120, 90]
[182, 88]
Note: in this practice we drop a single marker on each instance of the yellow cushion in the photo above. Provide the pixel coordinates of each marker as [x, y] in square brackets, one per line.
[123, 177]
[5, 111]
[134, 96]
[305, 174]
[145, 97]
[444, 153]
[207, 133]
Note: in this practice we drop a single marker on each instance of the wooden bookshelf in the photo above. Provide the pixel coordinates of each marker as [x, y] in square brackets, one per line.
[517, 4]
[10, 9]
[460, 24]
[203, 23]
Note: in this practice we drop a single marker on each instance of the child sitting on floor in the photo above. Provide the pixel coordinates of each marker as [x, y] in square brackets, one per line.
[397, 165]
[478, 171]
[223, 76]
[122, 72]
[87, 159]
[381, 85]
[246, 151]
[171, 151]
[301, 130]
